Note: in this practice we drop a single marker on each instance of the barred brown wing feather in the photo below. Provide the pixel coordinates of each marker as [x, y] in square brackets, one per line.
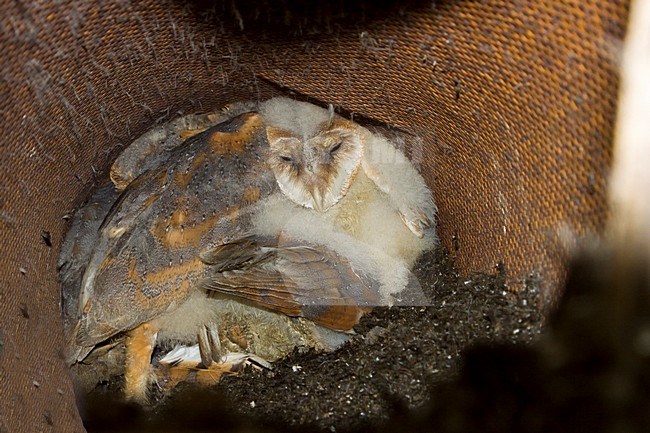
[297, 280]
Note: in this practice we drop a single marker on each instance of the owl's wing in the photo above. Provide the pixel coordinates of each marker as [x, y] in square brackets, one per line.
[298, 280]
[144, 262]
[151, 149]
[394, 174]
[77, 248]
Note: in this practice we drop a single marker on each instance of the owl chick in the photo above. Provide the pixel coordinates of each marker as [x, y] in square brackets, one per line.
[316, 155]
[371, 203]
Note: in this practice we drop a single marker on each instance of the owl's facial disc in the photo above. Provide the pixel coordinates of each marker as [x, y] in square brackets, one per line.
[332, 159]
[318, 172]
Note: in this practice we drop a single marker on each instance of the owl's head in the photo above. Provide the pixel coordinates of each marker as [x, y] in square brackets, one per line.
[317, 171]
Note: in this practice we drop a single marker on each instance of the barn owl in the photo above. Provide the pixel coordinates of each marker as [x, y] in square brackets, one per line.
[316, 156]
[178, 261]
[145, 153]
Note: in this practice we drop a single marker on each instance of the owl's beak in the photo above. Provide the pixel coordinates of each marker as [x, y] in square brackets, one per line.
[318, 199]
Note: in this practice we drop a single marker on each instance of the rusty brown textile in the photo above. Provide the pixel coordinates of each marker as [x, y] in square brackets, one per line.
[514, 103]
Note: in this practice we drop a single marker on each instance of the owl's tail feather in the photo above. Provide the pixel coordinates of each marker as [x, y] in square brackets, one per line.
[74, 352]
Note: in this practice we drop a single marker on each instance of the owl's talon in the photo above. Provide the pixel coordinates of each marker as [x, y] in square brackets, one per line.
[424, 221]
[209, 345]
[214, 342]
[204, 347]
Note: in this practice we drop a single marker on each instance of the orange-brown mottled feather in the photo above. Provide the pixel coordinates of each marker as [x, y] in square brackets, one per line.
[145, 260]
[295, 279]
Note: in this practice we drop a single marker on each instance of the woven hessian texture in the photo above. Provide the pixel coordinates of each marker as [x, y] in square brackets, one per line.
[513, 101]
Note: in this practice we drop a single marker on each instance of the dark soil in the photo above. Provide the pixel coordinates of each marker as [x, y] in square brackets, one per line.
[399, 354]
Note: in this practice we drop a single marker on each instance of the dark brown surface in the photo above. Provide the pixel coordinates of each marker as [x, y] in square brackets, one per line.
[514, 104]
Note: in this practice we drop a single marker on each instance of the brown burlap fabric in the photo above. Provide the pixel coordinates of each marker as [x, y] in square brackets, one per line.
[513, 102]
